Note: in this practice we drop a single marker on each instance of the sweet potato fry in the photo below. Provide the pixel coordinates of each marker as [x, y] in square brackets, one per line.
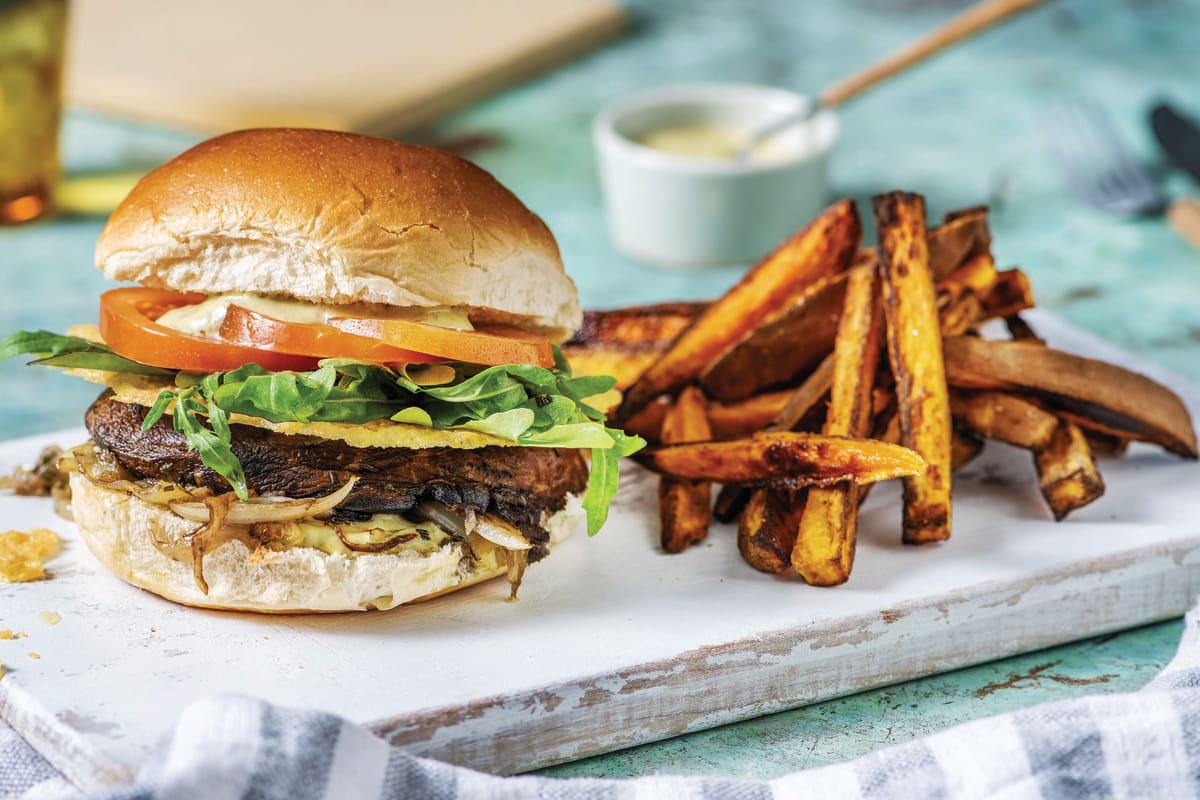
[647, 423]
[1009, 294]
[734, 420]
[823, 553]
[1005, 418]
[636, 326]
[683, 505]
[786, 459]
[856, 356]
[795, 343]
[914, 348]
[887, 427]
[805, 400]
[1103, 444]
[960, 238]
[977, 275]
[621, 362]
[1019, 329]
[782, 350]
[963, 234]
[767, 528]
[727, 420]
[824, 248]
[966, 213]
[1067, 472]
[1097, 395]
[731, 499]
[960, 315]
[965, 447]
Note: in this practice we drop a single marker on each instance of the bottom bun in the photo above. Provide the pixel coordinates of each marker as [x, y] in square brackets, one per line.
[127, 535]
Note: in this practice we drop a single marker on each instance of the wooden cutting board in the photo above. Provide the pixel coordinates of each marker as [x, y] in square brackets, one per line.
[373, 66]
[612, 643]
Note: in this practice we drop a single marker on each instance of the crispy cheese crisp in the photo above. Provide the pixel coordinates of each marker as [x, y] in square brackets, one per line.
[22, 555]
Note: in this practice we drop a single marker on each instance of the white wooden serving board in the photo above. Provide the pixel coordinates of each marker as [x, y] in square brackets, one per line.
[612, 643]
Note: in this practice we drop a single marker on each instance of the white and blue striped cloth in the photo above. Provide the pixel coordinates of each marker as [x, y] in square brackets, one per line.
[1143, 744]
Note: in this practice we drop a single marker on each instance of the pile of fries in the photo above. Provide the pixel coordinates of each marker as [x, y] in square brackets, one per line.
[829, 367]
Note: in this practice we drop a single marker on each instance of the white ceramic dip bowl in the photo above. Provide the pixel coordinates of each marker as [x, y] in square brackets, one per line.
[677, 209]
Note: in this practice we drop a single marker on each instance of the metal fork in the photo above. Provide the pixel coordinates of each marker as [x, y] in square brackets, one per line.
[1099, 169]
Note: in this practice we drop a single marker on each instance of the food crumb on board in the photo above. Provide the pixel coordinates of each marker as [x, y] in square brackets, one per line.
[22, 555]
[9, 633]
[42, 479]
[2, 672]
[50, 617]
[34, 656]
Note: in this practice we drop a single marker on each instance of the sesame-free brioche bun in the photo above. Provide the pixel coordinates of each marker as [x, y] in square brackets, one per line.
[122, 530]
[340, 218]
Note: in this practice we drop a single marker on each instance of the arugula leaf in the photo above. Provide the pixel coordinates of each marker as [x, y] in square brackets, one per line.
[551, 410]
[161, 404]
[587, 386]
[504, 424]
[56, 350]
[214, 445]
[602, 487]
[492, 385]
[606, 472]
[45, 343]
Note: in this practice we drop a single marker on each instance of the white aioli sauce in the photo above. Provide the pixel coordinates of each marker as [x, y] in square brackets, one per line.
[205, 318]
[712, 140]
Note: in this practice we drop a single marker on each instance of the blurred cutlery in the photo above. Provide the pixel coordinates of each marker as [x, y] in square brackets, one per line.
[1179, 138]
[1102, 173]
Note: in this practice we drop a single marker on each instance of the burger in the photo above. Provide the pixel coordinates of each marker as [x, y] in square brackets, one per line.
[335, 386]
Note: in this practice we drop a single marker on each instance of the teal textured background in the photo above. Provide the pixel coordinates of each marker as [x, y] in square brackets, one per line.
[962, 129]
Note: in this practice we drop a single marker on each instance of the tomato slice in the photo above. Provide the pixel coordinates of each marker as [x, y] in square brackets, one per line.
[128, 325]
[492, 346]
[248, 327]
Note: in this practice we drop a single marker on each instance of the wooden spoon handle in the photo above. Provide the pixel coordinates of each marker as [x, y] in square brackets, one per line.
[978, 17]
[1184, 216]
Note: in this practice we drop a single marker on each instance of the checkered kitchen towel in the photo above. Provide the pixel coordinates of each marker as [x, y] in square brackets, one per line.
[1144, 744]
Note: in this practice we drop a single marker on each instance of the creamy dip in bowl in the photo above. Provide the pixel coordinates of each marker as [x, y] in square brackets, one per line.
[676, 193]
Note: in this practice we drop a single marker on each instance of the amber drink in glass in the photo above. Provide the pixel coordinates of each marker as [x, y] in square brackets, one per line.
[32, 33]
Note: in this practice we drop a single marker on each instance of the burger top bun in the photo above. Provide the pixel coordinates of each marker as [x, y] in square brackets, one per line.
[340, 218]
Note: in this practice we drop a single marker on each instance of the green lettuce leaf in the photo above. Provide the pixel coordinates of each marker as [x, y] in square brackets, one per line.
[413, 416]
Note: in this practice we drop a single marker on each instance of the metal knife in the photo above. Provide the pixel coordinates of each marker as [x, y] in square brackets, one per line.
[1179, 138]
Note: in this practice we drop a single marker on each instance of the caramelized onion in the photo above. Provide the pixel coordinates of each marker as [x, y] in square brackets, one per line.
[515, 561]
[100, 468]
[453, 522]
[500, 532]
[266, 509]
[373, 547]
[218, 509]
